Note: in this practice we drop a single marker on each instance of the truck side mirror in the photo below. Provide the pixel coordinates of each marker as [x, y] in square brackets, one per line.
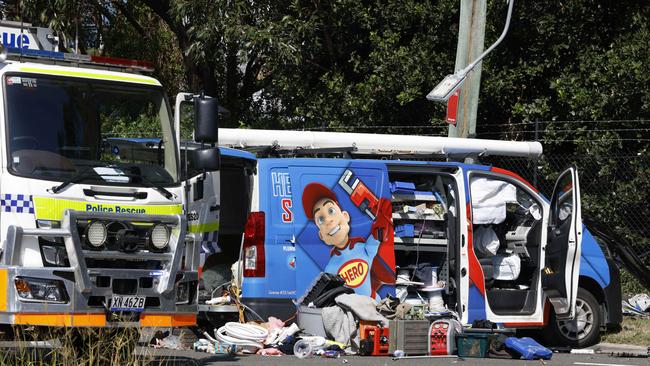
[206, 120]
[207, 159]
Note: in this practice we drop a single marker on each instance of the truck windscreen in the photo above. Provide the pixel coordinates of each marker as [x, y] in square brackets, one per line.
[89, 131]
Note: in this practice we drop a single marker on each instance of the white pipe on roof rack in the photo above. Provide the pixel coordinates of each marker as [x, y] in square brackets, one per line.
[376, 143]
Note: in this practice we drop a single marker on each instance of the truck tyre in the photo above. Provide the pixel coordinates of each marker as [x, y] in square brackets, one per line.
[584, 330]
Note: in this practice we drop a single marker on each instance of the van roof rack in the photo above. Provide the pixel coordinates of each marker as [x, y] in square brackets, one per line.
[276, 151]
[282, 142]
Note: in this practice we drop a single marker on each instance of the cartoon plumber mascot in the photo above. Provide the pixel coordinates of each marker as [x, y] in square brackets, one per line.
[354, 258]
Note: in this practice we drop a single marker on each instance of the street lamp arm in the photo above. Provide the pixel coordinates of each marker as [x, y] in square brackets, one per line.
[452, 82]
[471, 66]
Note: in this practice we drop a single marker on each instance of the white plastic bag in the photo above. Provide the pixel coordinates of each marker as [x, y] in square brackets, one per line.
[641, 302]
[506, 267]
[486, 242]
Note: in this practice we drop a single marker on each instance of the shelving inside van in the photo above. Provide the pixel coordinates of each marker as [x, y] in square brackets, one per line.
[425, 211]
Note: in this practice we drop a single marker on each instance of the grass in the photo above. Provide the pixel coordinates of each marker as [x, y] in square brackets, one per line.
[73, 347]
[634, 331]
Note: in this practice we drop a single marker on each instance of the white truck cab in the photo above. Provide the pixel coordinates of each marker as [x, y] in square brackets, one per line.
[92, 233]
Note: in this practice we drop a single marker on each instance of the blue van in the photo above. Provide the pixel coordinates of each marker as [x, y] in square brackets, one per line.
[501, 251]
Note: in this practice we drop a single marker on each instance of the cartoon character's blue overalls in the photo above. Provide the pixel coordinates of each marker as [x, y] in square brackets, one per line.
[354, 263]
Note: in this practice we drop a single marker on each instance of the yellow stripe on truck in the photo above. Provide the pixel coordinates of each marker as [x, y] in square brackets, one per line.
[204, 228]
[93, 75]
[47, 208]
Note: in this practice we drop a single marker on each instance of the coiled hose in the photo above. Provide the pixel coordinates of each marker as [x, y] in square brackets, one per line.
[247, 337]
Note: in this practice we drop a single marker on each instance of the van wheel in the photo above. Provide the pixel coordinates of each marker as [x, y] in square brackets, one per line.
[584, 329]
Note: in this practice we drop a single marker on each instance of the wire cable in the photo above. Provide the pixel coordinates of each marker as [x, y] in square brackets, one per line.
[576, 131]
[568, 121]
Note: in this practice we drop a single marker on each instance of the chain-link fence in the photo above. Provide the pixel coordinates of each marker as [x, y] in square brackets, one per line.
[615, 189]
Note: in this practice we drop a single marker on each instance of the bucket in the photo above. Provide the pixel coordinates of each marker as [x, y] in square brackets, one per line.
[472, 344]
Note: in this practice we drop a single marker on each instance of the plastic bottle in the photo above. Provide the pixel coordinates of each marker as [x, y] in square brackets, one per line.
[398, 353]
[303, 349]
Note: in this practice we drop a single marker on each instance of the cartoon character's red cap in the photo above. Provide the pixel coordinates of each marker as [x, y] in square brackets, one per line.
[313, 193]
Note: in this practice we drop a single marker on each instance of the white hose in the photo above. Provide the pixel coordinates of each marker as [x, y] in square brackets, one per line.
[207, 335]
[247, 337]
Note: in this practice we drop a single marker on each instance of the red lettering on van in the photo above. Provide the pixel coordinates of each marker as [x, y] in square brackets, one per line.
[354, 272]
[287, 215]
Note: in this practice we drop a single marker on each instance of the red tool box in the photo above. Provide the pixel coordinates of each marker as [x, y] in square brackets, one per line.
[372, 333]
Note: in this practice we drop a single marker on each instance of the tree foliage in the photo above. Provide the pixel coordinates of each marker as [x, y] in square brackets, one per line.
[579, 67]
[360, 64]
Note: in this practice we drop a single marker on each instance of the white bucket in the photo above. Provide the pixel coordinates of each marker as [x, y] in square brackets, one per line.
[436, 303]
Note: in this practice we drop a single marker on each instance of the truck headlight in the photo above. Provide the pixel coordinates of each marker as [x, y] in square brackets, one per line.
[159, 236]
[96, 234]
[40, 289]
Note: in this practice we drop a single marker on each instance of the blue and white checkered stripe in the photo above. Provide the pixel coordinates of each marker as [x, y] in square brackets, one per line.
[209, 242]
[19, 203]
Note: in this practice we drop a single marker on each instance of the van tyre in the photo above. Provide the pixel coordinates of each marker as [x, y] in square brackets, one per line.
[584, 330]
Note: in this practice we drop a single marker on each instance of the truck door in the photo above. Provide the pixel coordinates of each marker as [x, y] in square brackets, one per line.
[343, 224]
[203, 209]
[562, 253]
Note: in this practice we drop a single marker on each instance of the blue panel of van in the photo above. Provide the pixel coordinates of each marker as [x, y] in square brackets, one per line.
[225, 151]
[279, 282]
[593, 263]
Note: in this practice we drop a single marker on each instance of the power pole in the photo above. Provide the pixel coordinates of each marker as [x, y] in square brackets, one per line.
[471, 35]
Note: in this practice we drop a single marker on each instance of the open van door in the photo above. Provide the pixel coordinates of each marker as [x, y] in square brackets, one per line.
[343, 224]
[562, 252]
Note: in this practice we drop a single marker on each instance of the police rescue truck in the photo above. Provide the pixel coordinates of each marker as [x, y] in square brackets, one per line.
[375, 208]
[93, 233]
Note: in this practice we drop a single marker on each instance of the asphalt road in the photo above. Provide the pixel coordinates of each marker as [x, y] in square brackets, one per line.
[168, 357]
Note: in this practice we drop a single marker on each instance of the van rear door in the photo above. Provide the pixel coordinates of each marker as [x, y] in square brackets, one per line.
[562, 252]
[347, 227]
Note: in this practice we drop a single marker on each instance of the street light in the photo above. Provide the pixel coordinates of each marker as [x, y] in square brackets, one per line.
[452, 82]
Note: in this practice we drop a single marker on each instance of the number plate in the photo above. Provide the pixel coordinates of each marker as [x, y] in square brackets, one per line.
[127, 303]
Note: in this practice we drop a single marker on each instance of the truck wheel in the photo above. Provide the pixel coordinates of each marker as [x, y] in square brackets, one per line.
[584, 329]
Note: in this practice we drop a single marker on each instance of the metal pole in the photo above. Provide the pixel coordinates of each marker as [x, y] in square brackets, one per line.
[535, 160]
[471, 35]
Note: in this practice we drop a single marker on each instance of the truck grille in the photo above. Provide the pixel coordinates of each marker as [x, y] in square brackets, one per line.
[122, 254]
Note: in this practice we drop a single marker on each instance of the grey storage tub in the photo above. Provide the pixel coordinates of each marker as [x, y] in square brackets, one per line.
[311, 320]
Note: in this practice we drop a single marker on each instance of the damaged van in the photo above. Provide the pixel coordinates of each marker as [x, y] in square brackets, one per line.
[496, 248]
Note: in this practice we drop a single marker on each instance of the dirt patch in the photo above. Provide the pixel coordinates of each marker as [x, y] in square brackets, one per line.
[634, 331]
